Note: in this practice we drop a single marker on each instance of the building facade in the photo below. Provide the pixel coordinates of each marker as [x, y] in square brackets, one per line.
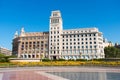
[30, 45]
[84, 43]
[5, 51]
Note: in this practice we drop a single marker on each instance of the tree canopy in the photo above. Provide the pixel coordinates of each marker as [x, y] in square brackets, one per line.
[112, 52]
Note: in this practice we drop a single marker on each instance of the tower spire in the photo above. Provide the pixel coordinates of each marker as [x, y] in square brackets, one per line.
[16, 34]
[22, 33]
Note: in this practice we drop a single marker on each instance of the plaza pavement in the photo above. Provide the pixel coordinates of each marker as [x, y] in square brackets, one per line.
[39, 73]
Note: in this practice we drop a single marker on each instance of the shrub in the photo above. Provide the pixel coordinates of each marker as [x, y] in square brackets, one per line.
[81, 59]
[46, 60]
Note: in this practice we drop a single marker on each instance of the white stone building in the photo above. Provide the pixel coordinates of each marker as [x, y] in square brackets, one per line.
[84, 43]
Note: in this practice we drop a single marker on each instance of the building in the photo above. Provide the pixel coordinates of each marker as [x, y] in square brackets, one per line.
[30, 45]
[86, 43]
[107, 43]
[83, 43]
[117, 45]
[5, 51]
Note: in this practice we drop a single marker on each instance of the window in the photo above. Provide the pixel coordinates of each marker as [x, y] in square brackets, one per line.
[82, 39]
[74, 40]
[78, 35]
[86, 46]
[82, 42]
[63, 47]
[66, 47]
[70, 39]
[82, 46]
[90, 46]
[74, 47]
[78, 43]
[90, 34]
[78, 47]
[66, 43]
[67, 36]
[74, 35]
[94, 38]
[55, 14]
[86, 42]
[90, 42]
[94, 34]
[90, 38]
[81, 35]
[95, 47]
[86, 39]
[74, 43]
[94, 42]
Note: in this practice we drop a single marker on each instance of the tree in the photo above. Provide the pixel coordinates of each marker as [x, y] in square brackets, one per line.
[112, 52]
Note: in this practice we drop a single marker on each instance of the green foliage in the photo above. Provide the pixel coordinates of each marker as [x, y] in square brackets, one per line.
[112, 52]
[2, 55]
[4, 58]
[46, 60]
[81, 59]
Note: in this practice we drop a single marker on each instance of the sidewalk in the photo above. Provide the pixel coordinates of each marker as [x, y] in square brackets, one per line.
[23, 75]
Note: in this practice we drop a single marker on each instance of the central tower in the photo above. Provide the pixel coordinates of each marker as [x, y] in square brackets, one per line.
[55, 31]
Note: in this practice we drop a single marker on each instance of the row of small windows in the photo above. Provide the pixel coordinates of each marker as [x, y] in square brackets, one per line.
[53, 44]
[79, 39]
[54, 28]
[55, 40]
[38, 42]
[78, 43]
[77, 31]
[55, 21]
[31, 38]
[55, 32]
[54, 36]
[75, 47]
[83, 35]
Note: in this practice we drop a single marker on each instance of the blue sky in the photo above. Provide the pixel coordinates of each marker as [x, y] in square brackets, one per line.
[34, 15]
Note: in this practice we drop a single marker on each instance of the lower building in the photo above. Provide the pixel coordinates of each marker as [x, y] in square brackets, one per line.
[30, 45]
[5, 51]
